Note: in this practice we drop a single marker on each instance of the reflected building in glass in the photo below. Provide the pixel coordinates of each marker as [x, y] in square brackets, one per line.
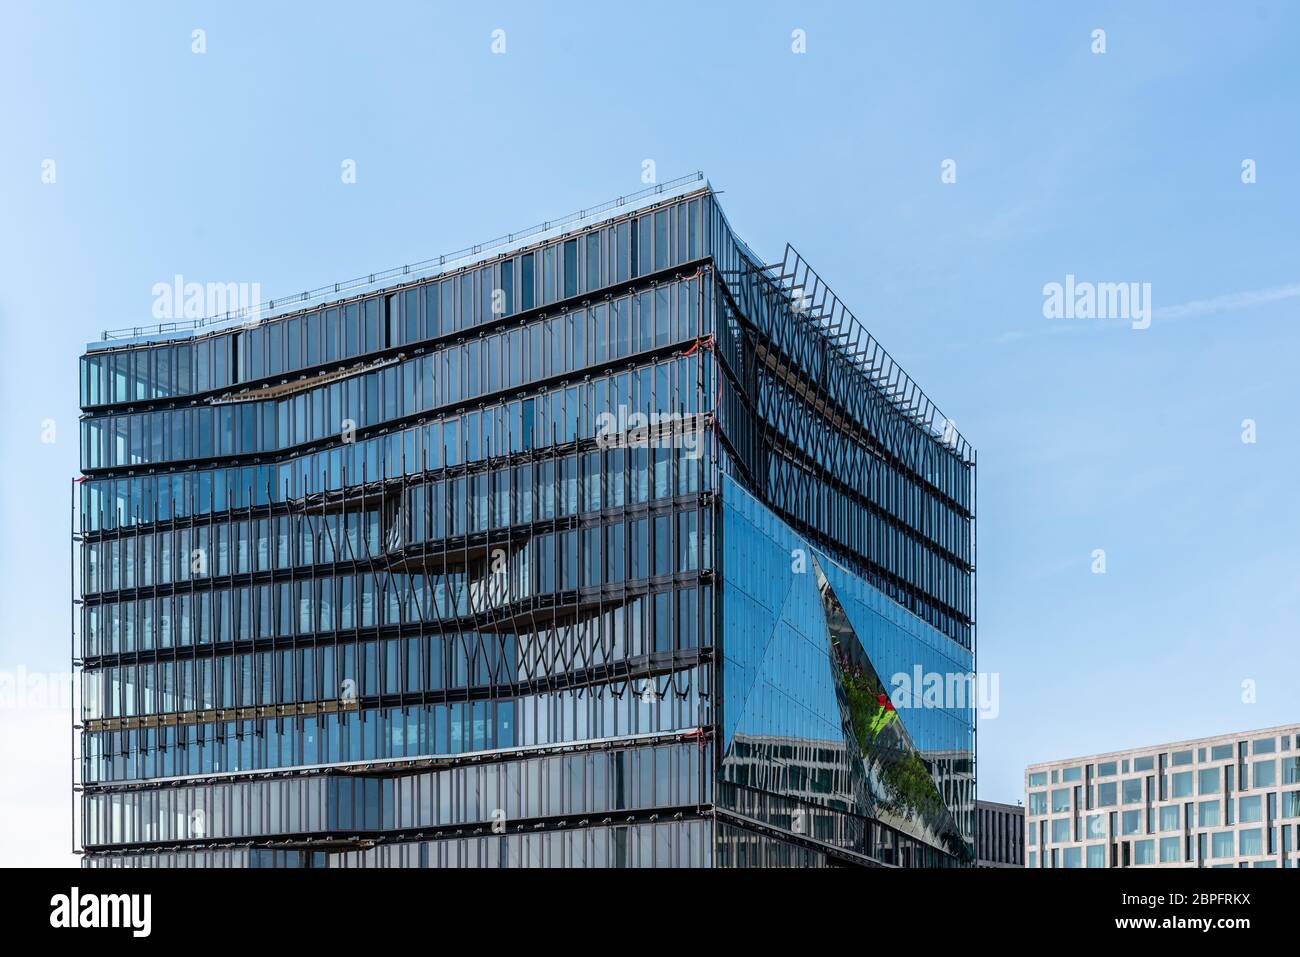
[1232, 800]
[605, 544]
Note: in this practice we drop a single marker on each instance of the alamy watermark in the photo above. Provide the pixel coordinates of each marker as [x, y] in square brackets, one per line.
[1127, 301]
[24, 690]
[74, 909]
[952, 690]
[179, 299]
[626, 429]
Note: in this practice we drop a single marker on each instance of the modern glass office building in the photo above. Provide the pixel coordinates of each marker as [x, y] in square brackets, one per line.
[1226, 801]
[606, 544]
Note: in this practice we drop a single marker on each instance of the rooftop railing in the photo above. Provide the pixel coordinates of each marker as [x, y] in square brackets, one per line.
[816, 301]
[411, 271]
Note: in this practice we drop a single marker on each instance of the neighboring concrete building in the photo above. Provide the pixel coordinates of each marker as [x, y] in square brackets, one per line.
[1227, 801]
[597, 545]
[1000, 834]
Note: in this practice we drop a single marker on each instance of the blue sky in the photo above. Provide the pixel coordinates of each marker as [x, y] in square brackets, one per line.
[1116, 167]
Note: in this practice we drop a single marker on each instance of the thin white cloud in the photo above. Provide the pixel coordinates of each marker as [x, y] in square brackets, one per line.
[1232, 302]
[1229, 303]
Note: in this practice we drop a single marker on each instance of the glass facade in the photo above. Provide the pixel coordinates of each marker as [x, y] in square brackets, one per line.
[574, 557]
[813, 740]
[1224, 809]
